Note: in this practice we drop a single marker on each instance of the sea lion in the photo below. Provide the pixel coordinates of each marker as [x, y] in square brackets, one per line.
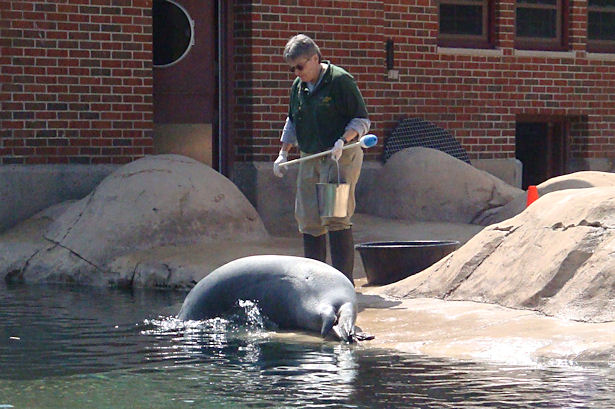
[293, 292]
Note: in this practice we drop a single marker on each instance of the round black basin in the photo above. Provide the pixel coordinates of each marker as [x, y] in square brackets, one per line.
[389, 261]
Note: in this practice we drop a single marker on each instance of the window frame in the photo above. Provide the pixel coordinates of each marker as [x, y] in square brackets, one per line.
[485, 40]
[562, 29]
[599, 45]
[191, 40]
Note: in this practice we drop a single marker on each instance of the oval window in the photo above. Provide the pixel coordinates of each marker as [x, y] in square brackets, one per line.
[173, 33]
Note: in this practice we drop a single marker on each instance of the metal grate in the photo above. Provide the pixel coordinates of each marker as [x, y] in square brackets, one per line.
[413, 132]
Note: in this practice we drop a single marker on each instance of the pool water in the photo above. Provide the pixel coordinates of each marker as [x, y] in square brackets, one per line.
[63, 347]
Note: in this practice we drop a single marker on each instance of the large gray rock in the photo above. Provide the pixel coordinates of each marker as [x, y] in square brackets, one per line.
[429, 185]
[155, 201]
[555, 257]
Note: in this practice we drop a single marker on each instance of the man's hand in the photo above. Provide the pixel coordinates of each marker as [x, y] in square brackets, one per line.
[336, 152]
[277, 169]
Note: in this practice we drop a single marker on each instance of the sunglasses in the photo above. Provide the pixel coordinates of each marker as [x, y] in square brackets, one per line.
[299, 67]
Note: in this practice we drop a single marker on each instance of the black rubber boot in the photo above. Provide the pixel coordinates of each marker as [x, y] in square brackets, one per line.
[315, 247]
[342, 252]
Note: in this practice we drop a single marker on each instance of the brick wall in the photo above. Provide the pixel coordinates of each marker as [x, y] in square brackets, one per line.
[76, 81]
[349, 33]
[475, 94]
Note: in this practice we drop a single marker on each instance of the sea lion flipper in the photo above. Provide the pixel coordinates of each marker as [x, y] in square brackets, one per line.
[362, 336]
[339, 322]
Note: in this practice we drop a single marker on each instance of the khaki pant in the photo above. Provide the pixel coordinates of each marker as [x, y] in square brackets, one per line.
[324, 170]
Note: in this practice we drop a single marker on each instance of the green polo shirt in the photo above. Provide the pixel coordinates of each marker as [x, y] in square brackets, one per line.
[321, 116]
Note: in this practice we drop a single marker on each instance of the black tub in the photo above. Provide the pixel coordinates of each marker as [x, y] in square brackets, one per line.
[389, 261]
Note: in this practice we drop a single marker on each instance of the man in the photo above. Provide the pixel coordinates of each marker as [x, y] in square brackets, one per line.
[326, 111]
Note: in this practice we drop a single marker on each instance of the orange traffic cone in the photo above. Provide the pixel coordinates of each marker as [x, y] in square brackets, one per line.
[532, 195]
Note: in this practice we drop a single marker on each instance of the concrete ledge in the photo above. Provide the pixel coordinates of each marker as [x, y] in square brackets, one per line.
[476, 52]
[595, 164]
[28, 189]
[600, 56]
[543, 53]
[274, 198]
[509, 170]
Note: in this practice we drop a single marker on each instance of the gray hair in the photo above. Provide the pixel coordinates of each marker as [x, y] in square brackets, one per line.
[300, 46]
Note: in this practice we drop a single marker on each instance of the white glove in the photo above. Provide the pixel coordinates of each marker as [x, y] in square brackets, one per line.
[277, 169]
[336, 152]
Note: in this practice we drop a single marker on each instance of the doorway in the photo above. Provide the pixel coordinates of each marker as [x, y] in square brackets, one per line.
[542, 145]
[191, 48]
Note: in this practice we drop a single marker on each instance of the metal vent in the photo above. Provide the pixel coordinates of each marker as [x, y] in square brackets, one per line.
[414, 132]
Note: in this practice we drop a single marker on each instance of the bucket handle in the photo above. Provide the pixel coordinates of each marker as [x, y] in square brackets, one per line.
[339, 178]
[337, 163]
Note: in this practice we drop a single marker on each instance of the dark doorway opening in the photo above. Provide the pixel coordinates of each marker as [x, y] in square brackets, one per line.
[542, 146]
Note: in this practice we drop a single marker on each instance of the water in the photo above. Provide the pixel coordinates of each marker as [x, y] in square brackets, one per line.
[99, 348]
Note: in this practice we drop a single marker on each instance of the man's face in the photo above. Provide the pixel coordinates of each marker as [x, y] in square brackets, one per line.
[308, 69]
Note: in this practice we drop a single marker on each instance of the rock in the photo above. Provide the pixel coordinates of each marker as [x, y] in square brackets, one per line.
[20, 243]
[429, 185]
[577, 180]
[152, 202]
[555, 257]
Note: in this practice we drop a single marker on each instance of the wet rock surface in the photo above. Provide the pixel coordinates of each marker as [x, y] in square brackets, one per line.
[555, 257]
[482, 332]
